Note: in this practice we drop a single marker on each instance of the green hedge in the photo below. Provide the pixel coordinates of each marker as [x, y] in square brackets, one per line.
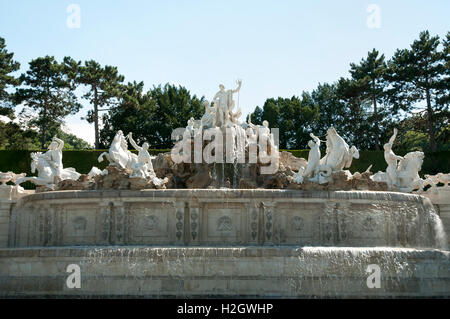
[83, 160]
[433, 163]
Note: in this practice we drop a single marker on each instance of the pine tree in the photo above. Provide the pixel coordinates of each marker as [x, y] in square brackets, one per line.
[104, 85]
[356, 127]
[368, 76]
[7, 66]
[256, 116]
[151, 116]
[135, 113]
[175, 106]
[331, 111]
[416, 76]
[49, 91]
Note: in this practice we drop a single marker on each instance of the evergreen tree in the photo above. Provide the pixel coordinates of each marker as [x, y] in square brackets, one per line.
[368, 76]
[104, 85]
[256, 116]
[7, 66]
[151, 116]
[417, 76]
[135, 113]
[356, 127]
[175, 107]
[293, 119]
[331, 111]
[49, 91]
[13, 137]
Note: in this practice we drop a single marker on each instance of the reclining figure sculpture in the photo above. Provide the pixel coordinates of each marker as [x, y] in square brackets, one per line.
[49, 166]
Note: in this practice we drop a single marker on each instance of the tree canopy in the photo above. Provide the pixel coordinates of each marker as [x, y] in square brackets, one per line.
[151, 116]
[7, 79]
[48, 90]
[410, 91]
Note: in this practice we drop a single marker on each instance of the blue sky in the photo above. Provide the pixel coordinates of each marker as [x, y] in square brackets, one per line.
[278, 48]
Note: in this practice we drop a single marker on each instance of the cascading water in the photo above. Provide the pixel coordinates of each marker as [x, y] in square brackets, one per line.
[399, 233]
[435, 221]
[233, 159]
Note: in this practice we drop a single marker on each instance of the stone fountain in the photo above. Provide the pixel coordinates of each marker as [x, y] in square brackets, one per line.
[226, 214]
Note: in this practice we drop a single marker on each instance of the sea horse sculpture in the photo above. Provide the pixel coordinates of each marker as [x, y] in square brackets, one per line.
[118, 153]
[338, 156]
[49, 166]
[403, 177]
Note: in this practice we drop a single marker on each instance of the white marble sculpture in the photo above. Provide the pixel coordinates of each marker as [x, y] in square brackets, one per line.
[338, 156]
[434, 180]
[402, 173]
[263, 133]
[96, 171]
[406, 175]
[140, 165]
[10, 192]
[218, 116]
[49, 166]
[311, 168]
[235, 117]
[15, 177]
[408, 172]
[144, 167]
[392, 161]
[209, 118]
[224, 103]
[190, 126]
[251, 136]
[118, 153]
[5, 178]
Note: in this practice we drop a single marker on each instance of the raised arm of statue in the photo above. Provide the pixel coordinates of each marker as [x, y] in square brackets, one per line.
[133, 143]
[392, 139]
[249, 122]
[60, 143]
[239, 82]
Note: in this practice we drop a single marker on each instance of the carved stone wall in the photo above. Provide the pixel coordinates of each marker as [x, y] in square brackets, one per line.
[220, 217]
[5, 210]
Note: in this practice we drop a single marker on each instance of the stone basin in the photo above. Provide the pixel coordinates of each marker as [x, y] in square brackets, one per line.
[225, 217]
[225, 243]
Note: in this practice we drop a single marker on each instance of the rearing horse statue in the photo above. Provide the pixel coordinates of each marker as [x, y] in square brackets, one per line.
[118, 153]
